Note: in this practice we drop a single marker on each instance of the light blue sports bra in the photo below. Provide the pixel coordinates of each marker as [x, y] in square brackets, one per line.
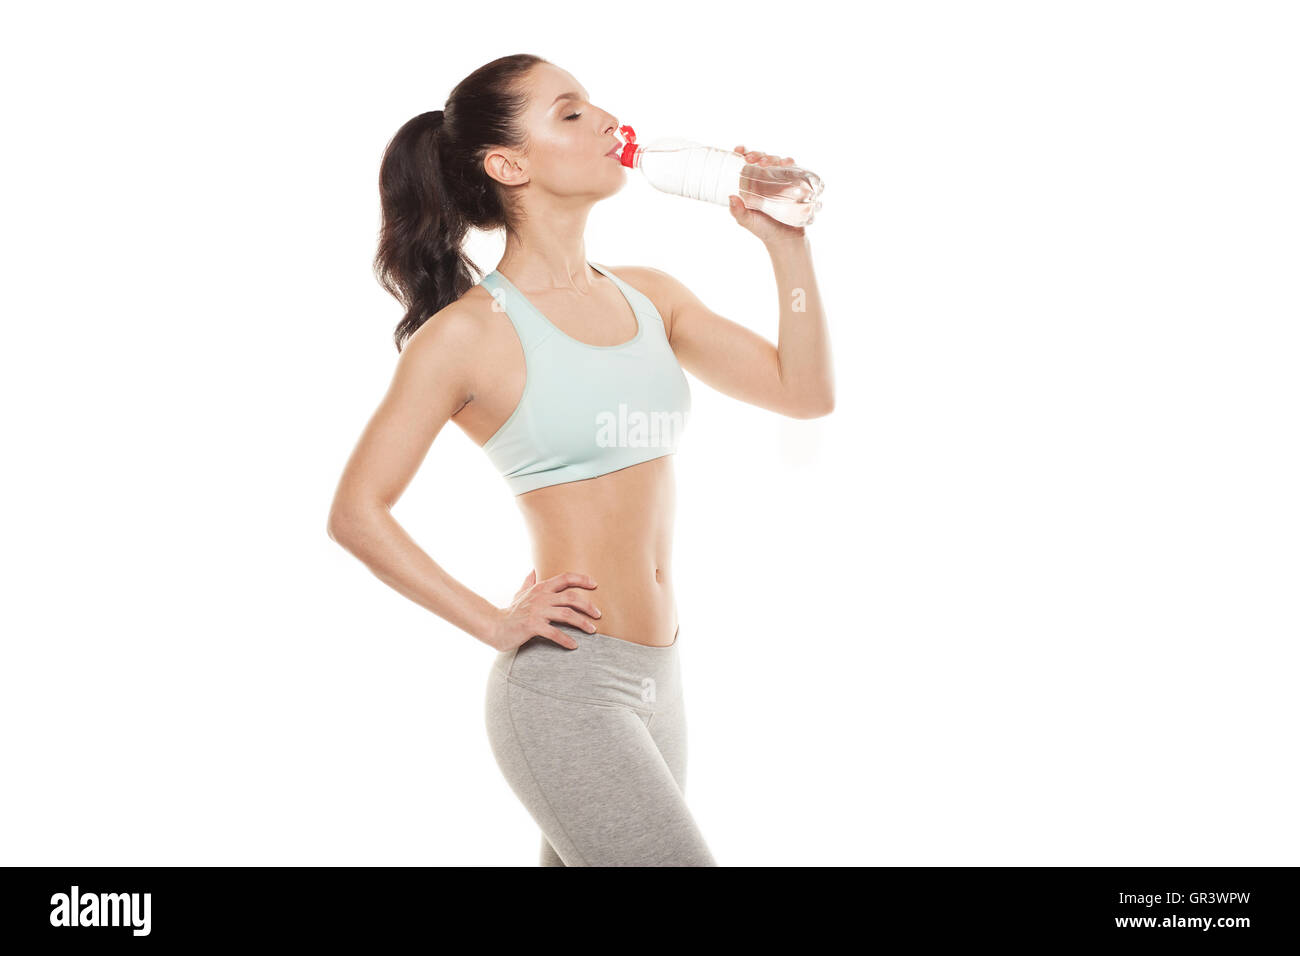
[587, 410]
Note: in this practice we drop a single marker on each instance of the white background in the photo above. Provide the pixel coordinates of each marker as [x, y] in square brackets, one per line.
[1028, 596]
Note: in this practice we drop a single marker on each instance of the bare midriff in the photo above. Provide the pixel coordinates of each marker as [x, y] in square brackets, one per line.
[617, 528]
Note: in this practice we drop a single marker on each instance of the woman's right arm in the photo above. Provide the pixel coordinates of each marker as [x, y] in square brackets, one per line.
[431, 383]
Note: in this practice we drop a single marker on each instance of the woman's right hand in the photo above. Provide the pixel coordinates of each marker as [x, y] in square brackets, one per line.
[536, 605]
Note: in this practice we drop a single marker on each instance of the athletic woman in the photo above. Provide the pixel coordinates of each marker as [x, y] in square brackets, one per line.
[569, 375]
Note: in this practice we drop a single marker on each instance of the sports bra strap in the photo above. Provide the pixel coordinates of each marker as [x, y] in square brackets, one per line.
[532, 328]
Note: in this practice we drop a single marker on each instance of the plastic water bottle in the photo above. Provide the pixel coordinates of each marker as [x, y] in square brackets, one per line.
[788, 194]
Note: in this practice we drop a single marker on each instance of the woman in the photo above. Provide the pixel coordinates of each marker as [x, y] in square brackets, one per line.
[569, 375]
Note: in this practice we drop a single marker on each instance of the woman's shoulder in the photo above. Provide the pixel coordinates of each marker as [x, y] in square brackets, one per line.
[460, 321]
[645, 274]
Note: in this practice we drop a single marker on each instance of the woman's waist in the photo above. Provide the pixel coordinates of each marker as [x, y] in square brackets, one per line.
[631, 572]
[633, 594]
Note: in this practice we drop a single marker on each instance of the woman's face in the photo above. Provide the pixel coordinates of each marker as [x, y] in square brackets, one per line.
[569, 139]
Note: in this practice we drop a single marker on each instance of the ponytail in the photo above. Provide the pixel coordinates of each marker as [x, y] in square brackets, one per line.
[433, 188]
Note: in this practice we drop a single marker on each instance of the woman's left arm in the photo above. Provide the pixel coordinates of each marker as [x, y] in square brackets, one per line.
[794, 377]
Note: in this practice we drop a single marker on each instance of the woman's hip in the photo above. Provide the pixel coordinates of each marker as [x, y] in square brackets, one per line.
[602, 669]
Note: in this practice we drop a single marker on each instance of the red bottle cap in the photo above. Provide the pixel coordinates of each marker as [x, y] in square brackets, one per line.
[628, 156]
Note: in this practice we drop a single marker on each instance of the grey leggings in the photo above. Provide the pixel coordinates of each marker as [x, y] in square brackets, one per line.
[593, 742]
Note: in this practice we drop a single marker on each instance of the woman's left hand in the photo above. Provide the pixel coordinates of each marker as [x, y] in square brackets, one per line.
[760, 223]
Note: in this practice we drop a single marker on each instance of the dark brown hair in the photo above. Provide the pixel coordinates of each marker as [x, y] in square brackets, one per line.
[433, 188]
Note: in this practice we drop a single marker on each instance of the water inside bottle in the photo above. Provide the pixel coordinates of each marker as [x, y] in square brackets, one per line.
[789, 194]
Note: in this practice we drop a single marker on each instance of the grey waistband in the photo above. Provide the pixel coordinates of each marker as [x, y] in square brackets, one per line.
[601, 669]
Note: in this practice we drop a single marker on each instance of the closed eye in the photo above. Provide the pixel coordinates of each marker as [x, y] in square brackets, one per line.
[574, 116]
